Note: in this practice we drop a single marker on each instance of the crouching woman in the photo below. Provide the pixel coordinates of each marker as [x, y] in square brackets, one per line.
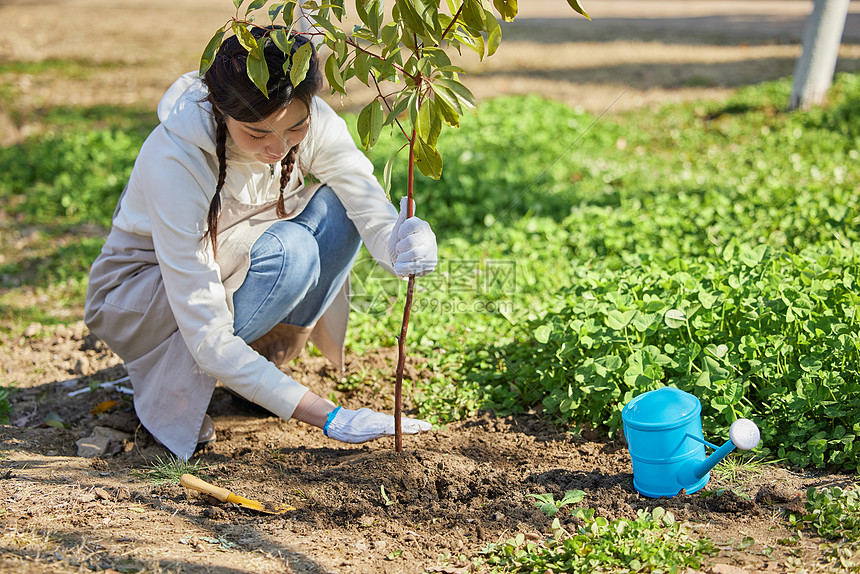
[222, 262]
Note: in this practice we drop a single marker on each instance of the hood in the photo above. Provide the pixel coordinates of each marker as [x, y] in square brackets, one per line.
[185, 113]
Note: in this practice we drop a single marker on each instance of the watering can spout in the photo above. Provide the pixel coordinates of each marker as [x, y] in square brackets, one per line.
[743, 434]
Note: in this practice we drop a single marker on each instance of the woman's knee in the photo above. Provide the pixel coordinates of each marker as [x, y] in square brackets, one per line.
[286, 248]
[338, 218]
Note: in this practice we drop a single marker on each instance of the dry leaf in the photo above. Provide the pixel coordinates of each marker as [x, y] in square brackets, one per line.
[103, 407]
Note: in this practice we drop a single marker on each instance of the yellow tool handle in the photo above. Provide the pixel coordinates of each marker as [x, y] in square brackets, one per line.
[194, 483]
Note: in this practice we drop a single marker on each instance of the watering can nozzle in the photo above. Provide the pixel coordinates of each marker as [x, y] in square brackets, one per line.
[744, 434]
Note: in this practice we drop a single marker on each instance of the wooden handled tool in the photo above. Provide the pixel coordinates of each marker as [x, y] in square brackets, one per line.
[224, 495]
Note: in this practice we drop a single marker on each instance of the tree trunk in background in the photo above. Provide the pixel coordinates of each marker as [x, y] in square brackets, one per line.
[813, 73]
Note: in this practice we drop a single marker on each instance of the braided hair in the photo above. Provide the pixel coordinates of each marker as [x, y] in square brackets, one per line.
[233, 94]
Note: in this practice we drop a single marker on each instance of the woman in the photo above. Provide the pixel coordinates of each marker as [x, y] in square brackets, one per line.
[222, 262]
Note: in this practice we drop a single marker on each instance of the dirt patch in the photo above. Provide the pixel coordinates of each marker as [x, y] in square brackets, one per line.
[361, 508]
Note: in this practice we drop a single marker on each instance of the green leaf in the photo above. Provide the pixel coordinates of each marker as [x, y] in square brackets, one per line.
[413, 108]
[282, 40]
[237, 3]
[410, 17]
[708, 300]
[333, 75]
[675, 318]
[473, 15]
[752, 257]
[209, 53]
[386, 174]
[449, 114]
[474, 41]
[572, 497]
[275, 11]
[429, 122]
[300, 63]
[399, 107]
[429, 15]
[361, 10]
[246, 39]
[427, 159]
[575, 5]
[52, 419]
[390, 35]
[362, 66]
[258, 70]
[370, 124]
[321, 19]
[289, 11]
[462, 93]
[542, 333]
[494, 33]
[617, 320]
[507, 8]
[375, 16]
[255, 5]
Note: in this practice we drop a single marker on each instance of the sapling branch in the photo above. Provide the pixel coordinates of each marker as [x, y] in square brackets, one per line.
[387, 105]
[453, 21]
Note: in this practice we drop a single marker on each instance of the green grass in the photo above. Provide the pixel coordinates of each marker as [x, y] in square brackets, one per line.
[65, 67]
[713, 246]
[653, 542]
[834, 514]
[717, 251]
[168, 470]
[5, 408]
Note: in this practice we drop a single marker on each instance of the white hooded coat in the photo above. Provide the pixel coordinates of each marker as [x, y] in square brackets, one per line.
[159, 298]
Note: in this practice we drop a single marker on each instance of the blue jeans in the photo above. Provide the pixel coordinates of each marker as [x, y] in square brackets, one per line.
[297, 267]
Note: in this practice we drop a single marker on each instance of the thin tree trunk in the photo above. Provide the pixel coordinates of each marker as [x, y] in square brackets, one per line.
[407, 307]
[813, 74]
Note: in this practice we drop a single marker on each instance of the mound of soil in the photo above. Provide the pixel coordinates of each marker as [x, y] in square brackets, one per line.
[359, 508]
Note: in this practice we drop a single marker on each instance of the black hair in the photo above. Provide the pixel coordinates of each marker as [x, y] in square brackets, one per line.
[233, 94]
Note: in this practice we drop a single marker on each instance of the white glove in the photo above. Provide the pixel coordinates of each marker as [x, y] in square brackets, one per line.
[364, 425]
[412, 246]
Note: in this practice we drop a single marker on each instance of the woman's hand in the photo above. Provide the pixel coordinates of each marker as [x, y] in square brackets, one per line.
[412, 246]
[364, 424]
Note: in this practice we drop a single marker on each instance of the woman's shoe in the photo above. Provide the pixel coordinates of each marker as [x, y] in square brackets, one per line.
[207, 433]
[282, 344]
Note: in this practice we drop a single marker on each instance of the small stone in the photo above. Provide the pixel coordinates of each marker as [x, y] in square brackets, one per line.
[726, 569]
[96, 444]
[86, 497]
[32, 330]
[101, 493]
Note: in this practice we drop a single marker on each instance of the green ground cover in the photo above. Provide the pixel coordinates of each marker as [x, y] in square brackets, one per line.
[583, 260]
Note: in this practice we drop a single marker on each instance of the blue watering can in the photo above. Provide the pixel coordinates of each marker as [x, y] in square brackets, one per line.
[663, 429]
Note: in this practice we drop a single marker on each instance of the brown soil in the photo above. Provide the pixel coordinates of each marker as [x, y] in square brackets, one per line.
[451, 491]
[360, 508]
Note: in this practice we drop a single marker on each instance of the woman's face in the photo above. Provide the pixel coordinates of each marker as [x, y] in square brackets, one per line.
[270, 139]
